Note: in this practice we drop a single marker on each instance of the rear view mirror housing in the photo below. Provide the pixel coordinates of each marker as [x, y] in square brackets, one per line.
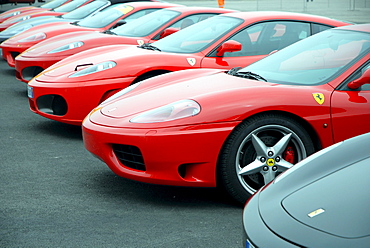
[363, 79]
[229, 47]
[167, 32]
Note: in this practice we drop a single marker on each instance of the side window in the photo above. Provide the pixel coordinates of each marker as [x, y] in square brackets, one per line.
[263, 38]
[190, 20]
[317, 28]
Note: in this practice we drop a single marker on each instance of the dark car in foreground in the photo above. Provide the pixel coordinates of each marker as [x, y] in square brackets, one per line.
[320, 202]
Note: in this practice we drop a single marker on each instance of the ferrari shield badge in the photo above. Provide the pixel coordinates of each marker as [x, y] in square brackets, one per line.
[191, 61]
[140, 42]
[319, 98]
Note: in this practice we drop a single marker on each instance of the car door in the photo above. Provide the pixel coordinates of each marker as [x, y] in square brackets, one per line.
[351, 108]
[258, 40]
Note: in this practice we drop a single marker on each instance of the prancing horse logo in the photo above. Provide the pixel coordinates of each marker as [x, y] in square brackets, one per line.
[191, 61]
[319, 97]
[270, 162]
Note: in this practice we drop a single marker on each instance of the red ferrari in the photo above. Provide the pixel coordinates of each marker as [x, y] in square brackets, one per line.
[146, 29]
[43, 12]
[21, 10]
[108, 18]
[68, 90]
[240, 128]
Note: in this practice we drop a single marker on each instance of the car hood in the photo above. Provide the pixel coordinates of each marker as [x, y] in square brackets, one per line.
[92, 56]
[90, 39]
[27, 24]
[323, 197]
[126, 57]
[50, 29]
[200, 85]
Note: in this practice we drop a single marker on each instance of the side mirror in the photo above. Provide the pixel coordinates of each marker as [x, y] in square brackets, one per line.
[168, 31]
[229, 46]
[357, 83]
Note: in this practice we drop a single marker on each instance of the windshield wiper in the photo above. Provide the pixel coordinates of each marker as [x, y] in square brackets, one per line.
[149, 47]
[245, 74]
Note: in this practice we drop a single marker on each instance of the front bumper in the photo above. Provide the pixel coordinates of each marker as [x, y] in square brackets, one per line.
[11, 51]
[255, 232]
[178, 156]
[27, 67]
[71, 102]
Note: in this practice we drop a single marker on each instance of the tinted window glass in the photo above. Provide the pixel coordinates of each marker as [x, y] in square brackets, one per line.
[315, 60]
[263, 38]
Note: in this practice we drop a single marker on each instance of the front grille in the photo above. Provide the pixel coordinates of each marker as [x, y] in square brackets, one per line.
[52, 105]
[129, 156]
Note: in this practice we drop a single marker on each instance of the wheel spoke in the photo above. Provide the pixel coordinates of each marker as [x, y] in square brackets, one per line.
[252, 168]
[259, 146]
[268, 176]
[280, 146]
[283, 165]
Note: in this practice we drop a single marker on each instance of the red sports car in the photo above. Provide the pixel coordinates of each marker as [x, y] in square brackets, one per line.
[42, 12]
[110, 17]
[21, 10]
[146, 29]
[240, 128]
[68, 90]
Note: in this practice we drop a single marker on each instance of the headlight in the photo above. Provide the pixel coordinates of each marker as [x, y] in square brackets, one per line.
[67, 47]
[121, 93]
[94, 68]
[35, 37]
[21, 19]
[173, 111]
[13, 14]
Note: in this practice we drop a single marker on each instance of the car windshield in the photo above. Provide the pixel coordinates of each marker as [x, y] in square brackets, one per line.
[147, 24]
[315, 60]
[70, 6]
[53, 4]
[105, 17]
[85, 10]
[199, 36]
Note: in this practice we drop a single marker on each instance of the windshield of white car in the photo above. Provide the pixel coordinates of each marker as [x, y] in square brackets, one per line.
[70, 6]
[315, 60]
[106, 16]
[147, 24]
[85, 10]
[199, 36]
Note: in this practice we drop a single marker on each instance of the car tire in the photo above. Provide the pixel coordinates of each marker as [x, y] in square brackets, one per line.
[281, 142]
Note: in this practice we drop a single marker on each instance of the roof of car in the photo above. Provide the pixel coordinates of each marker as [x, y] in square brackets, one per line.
[358, 27]
[281, 15]
[143, 4]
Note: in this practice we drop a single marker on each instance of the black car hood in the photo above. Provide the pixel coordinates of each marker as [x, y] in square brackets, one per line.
[326, 201]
